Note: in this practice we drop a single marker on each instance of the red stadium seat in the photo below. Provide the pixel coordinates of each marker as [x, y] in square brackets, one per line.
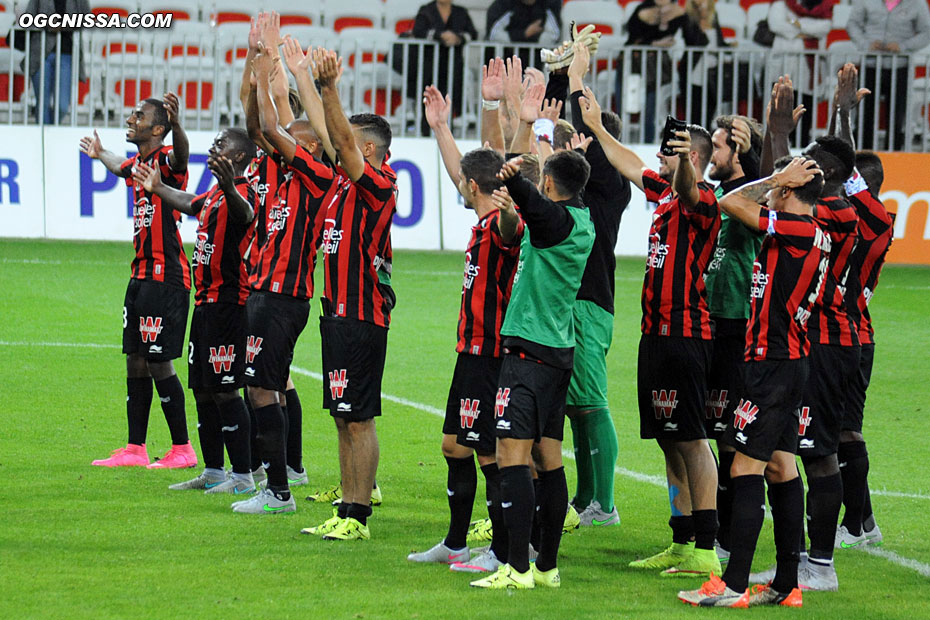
[19, 85]
[355, 14]
[131, 91]
[227, 11]
[179, 10]
[195, 95]
[836, 35]
[748, 3]
[121, 7]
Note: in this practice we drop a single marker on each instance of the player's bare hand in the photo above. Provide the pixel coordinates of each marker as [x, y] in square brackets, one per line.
[581, 61]
[532, 103]
[147, 176]
[797, 173]
[492, 80]
[271, 32]
[502, 200]
[513, 81]
[742, 135]
[846, 97]
[222, 169]
[297, 62]
[91, 146]
[682, 146]
[436, 107]
[173, 108]
[579, 141]
[330, 68]
[255, 32]
[262, 63]
[590, 109]
[784, 116]
[510, 169]
[551, 110]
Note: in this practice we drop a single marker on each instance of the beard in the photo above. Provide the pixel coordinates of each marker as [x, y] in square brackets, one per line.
[721, 173]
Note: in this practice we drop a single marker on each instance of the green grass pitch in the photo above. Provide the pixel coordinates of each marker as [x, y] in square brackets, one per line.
[79, 541]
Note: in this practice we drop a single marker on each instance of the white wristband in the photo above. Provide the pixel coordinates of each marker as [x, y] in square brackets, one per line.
[544, 128]
[490, 105]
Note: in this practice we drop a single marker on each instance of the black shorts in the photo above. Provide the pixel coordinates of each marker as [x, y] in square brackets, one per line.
[154, 320]
[823, 405]
[275, 322]
[855, 400]
[217, 348]
[672, 382]
[724, 383]
[353, 364]
[470, 406]
[530, 399]
[766, 418]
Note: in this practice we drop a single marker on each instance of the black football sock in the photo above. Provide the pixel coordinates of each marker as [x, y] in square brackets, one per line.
[787, 502]
[138, 405]
[342, 510]
[461, 485]
[171, 395]
[536, 531]
[209, 429]
[868, 518]
[518, 502]
[236, 431]
[705, 528]
[682, 529]
[748, 514]
[824, 498]
[500, 540]
[255, 451]
[359, 512]
[271, 439]
[553, 502]
[854, 466]
[294, 431]
[724, 499]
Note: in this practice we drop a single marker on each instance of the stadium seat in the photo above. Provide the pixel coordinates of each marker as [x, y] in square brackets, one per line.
[180, 11]
[227, 11]
[311, 35]
[748, 3]
[366, 52]
[121, 7]
[355, 14]
[295, 13]
[184, 39]
[608, 18]
[835, 35]
[399, 15]
[732, 19]
[232, 41]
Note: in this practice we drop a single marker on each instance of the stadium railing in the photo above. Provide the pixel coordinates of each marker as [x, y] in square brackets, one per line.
[383, 74]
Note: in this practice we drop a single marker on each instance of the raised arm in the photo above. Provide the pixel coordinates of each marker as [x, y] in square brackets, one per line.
[845, 99]
[245, 84]
[514, 87]
[277, 138]
[93, 148]
[492, 92]
[744, 203]
[149, 177]
[529, 112]
[299, 65]
[509, 220]
[340, 131]
[783, 119]
[685, 181]
[625, 160]
[239, 208]
[179, 155]
[437, 115]
[271, 39]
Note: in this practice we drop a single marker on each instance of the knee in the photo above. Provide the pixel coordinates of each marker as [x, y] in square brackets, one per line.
[260, 397]
[360, 428]
[821, 467]
[136, 367]
[221, 398]
[850, 436]
[161, 370]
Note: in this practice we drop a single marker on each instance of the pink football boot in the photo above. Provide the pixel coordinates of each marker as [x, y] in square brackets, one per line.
[131, 456]
[178, 457]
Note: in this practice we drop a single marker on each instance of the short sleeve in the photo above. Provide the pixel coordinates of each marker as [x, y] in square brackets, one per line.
[198, 202]
[376, 187]
[171, 177]
[788, 228]
[126, 169]
[654, 186]
[316, 176]
[514, 246]
[705, 212]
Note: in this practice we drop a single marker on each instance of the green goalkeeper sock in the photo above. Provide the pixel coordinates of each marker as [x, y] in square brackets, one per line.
[602, 440]
[585, 483]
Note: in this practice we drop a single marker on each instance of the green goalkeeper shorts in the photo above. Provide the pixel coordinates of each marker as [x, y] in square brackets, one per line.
[594, 329]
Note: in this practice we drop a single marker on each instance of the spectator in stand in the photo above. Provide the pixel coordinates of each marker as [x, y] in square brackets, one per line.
[525, 21]
[49, 55]
[896, 27]
[452, 28]
[654, 23]
[701, 28]
[799, 25]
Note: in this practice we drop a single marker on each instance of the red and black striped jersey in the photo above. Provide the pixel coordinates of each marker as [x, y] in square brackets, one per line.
[295, 219]
[787, 278]
[876, 230]
[220, 271]
[357, 246]
[831, 323]
[265, 176]
[489, 268]
[681, 243]
[156, 234]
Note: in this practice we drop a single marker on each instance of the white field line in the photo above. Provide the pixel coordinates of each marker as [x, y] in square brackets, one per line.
[658, 481]
[42, 261]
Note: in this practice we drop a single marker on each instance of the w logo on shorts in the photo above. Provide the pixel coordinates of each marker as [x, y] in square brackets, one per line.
[501, 402]
[745, 414]
[664, 403]
[149, 327]
[337, 383]
[222, 358]
[468, 411]
[804, 421]
[715, 404]
[252, 348]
